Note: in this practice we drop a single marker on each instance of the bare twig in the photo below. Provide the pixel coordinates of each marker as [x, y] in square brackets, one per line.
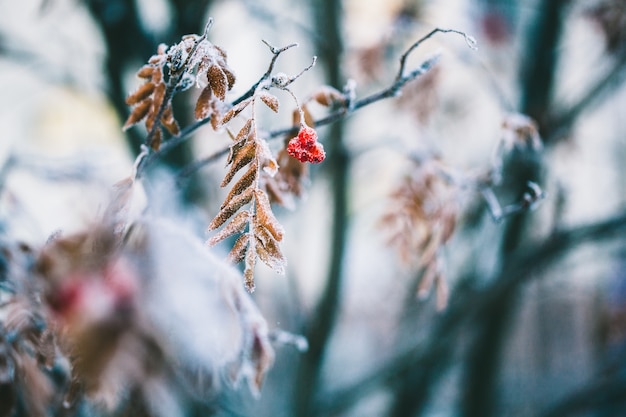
[341, 113]
[471, 42]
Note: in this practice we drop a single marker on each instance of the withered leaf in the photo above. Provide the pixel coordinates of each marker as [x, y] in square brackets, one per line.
[203, 107]
[270, 101]
[238, 252]
[243, 183]
[230, 77]
[236, 225]
[238, 108]
[229, 210]
[248, 272]
[265, 217]
[167, 119]
[245, 131]
[241, 158]
[145, 72]
[144, 91]
[235, 148]
[271, 255]
[156, 140]
[308, 117]
[327, 95]
[218, 81]
[138, 113]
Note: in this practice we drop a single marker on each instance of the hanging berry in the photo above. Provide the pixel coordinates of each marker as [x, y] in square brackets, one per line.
[305, 147]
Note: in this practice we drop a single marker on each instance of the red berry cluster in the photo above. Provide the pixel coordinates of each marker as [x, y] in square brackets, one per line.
[305, 147]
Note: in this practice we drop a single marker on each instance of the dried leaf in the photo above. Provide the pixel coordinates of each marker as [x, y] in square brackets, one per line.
[265, 216]
[145, 72]
[248, 272]
[218, 81]
[327, 95]
[228, 211]
[159, 95]
[167, 119]
[203, 108]
[269, 252]
[309, 120]
[245, 131]
[235, 110]
[241, 158]
[270, 101]
[238, 252]
[138, 113]
[243, 183]
[236, 225]
[230, 77]
[144, 91]
[156, 140]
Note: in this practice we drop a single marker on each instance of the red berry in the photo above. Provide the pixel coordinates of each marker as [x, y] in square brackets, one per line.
[305, 147]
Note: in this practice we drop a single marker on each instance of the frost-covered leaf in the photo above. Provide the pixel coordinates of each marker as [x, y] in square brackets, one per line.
[236, 225]
[236, 110]
[143, 92]
[203, 107]
[270, 101]
[241, 157]
[327, 96]
[218, 81]
[138, 113]
[244, 183]
[238, 252]
[265, 217]
[231, 208]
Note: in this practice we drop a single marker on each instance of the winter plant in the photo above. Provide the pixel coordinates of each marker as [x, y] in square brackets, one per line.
[87, 318]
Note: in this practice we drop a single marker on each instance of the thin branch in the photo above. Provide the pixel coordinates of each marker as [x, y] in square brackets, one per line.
[471, 42]
[607, 84]
[333, 117]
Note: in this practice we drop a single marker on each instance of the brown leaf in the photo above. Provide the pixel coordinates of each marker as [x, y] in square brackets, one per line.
[167, 119]
[248, 272]
[243, 183]
[327, 95]
[144, 91]
[245, 131]
[308, 117]
[228, 211]
[203, 108]
[156, 140]
[270, 101]
[265, 216]
[138, 113]
[269, 252]
[230, 77]
[276, 262]
[241, 158]
[145, 72]
[236, 225]
[238, 252]
[218, 81]
[235, 110]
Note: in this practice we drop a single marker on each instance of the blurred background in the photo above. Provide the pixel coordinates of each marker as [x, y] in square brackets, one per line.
[535, 322]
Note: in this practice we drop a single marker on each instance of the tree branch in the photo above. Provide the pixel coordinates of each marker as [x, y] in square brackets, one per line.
[467, 307]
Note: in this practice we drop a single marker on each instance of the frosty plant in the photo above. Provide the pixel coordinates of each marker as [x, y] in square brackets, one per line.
[256, 177]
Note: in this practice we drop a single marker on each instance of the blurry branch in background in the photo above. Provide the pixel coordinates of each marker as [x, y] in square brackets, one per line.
[561, 124]
[425, 364]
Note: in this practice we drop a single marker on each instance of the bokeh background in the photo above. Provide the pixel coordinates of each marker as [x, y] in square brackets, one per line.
[535, 324]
